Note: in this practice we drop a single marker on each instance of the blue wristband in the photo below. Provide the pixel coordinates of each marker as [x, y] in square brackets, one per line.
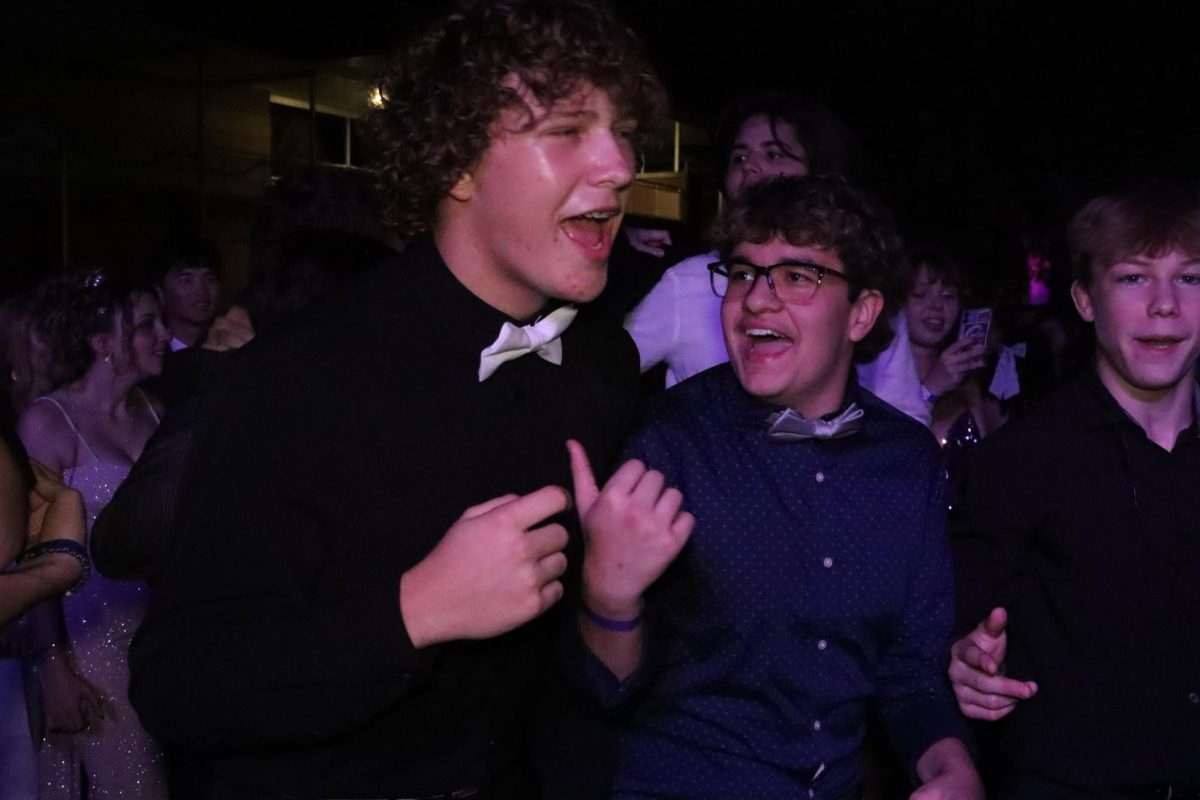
[618, 625]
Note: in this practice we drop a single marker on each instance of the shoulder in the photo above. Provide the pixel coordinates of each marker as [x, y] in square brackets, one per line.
[336, 335]
[692, 266]
[46, 432]
[1051, 421]
[885, 421]
[603, 341]
[699, 403]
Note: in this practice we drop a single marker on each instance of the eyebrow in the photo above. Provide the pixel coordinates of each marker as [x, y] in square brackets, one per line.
[1142, 261]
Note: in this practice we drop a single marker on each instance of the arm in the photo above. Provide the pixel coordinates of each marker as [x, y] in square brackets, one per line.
[652, 241]
[634, 528]
[56, 512]
[915, 700]
[946, 772]
[302, 595]
[953, 365]
[990, 535]
[34, 580]
[69, 701]
[977, 671]
[654, 323]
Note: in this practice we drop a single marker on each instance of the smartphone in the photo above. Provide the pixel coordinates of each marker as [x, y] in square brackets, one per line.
[974, 324]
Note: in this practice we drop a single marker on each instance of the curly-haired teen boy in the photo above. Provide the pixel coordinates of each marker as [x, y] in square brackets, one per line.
[373, 530]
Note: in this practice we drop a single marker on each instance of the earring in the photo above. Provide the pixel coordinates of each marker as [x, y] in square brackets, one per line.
[108, 359]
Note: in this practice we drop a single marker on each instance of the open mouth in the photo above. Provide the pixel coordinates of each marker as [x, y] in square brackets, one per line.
[766, 342]
[592, 231]
[1159, 342]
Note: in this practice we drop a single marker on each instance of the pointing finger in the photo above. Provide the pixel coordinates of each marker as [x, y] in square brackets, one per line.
[488, 505]
[582, 477]
[527, 511]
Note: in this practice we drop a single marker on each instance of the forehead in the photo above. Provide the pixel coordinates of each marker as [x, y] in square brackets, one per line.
[1169, 259]
[585, 99]
[930, 277]
[759, 130]
[143, 303]
[177, 270]
[777, 249]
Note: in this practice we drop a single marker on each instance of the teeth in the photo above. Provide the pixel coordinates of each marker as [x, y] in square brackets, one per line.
[599, 215]
[762, 332]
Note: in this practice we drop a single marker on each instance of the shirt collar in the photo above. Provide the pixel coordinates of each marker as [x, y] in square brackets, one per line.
[470, 323]
[1099, 410]
[751, 413]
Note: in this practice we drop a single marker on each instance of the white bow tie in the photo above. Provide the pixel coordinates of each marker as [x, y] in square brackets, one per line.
[542, 338]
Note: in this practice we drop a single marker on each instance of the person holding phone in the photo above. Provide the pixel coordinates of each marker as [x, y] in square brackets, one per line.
[962, 411]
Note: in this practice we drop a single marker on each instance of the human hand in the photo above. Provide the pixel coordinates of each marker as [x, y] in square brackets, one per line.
[490, 573]
[652, 241]
[229, 331]
[55, 510]
[976, 671]
[633, 529]
[70, 704]
[955, 362]
[947, 773]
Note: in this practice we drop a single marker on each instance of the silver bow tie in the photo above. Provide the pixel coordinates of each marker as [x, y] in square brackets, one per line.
[788, 426]
[515, 341]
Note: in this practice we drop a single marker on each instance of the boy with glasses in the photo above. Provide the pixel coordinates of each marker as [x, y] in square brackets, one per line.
[817, 580]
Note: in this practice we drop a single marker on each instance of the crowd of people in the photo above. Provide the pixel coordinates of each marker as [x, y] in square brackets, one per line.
[402, 521]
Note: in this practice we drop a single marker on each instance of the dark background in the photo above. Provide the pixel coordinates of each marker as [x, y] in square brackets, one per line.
[982, 121]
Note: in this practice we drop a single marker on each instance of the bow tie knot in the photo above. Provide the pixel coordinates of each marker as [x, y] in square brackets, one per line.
[788, 426]
[514, 341]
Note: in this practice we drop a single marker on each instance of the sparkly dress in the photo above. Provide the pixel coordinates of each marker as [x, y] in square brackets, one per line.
[118, 756]
[962, 437]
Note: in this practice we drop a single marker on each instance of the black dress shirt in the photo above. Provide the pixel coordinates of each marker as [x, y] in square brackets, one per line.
[1089, 534]
[328, 459]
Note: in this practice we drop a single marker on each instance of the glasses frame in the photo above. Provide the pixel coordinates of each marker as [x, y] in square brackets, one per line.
[722, 268]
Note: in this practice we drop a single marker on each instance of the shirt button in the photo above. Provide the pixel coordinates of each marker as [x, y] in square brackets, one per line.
[1194, 698]
[827, 563]
[821, 645]
[816, 725]
[820, 476]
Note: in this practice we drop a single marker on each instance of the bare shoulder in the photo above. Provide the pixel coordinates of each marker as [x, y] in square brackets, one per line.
[48, 436]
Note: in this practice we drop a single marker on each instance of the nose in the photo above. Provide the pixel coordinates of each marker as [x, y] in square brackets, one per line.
[612, 160]
[752, 166]
[761, 296]
[1165, 301]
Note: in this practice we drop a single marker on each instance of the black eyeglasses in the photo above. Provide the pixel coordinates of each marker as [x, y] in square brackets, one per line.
[791, 281]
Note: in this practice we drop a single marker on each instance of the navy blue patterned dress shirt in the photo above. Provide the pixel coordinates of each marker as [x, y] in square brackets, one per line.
[817, 581]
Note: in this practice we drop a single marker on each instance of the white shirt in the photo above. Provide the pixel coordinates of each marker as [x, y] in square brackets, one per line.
[679, 321]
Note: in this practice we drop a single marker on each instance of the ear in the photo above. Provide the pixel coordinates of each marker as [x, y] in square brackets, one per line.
[101, 344]
[863, 313]
[1083, 301]
[461, 191]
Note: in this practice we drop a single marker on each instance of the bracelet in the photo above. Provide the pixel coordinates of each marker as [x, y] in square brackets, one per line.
[618, 625]
[66, 546]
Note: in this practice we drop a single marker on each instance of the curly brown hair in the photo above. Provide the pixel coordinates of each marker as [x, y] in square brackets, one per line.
[825, 212]
[443, 90]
